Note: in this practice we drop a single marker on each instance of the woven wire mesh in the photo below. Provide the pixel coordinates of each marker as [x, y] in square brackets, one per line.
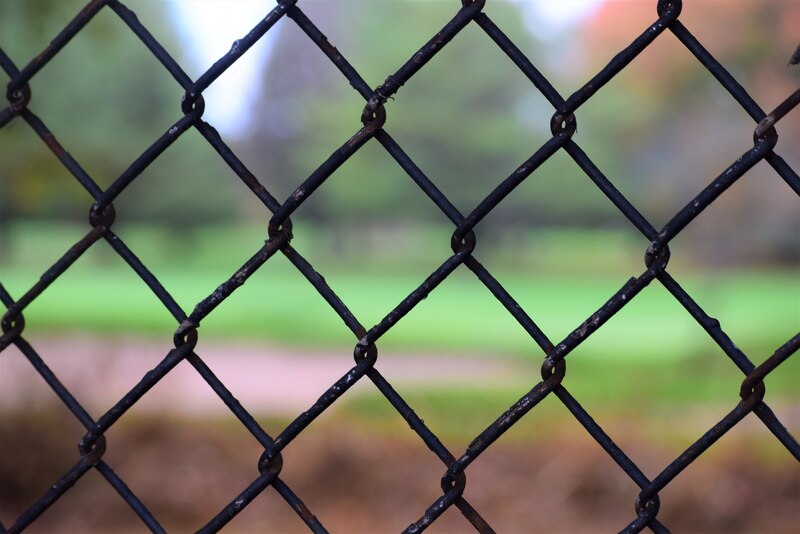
[554, 370]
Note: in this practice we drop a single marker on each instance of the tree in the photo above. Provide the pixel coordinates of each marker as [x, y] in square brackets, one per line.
[106, 98]
[469, 118]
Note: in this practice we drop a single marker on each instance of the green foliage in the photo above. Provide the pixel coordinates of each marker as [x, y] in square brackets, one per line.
[468, 118]
[106, 99]
[661, 130]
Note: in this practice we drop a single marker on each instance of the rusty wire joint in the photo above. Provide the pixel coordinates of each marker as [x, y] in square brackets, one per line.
[646, 512]
[102, 218]
[669, 8]
[463, 240]
[193, 104]
[280, 231]
[270, 464]
[19, 97]
[12, 326]
[767, 124]
[88, 442]
[757, 375]
[563, 123]
[186, 335]
[18, 100]
[374, 115]
[365, 352]
[752, 392]
[92, 455]
[553, 372]
[657, 255]
[373, 118]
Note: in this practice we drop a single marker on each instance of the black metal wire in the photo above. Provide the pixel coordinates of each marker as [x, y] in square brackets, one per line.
[554, 367]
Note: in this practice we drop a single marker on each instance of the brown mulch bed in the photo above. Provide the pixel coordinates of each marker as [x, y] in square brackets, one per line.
[356, 479]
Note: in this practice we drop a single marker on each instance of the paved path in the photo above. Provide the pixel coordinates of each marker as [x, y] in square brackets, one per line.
[266, 379]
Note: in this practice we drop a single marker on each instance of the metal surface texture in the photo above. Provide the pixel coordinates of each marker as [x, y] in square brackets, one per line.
[750, 393]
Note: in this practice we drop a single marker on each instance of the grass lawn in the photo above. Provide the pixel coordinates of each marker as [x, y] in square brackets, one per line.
[760, 310]
[651, 358]
[666, 401]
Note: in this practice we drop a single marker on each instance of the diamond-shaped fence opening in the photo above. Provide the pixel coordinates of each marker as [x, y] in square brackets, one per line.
[543, 366]
[142, 112]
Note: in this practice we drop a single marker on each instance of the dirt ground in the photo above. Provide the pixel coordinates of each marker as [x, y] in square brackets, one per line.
[356, 480]
[276, 380]
[187, 459]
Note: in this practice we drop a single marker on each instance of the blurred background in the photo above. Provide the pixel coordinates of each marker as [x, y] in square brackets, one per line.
[660, 131]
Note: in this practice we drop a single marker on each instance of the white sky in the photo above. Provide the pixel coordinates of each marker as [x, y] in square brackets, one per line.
[209, 27]
[547, 18]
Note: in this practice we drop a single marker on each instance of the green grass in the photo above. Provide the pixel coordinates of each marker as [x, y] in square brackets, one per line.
[651, 358]
[663, 399]
[759, 309]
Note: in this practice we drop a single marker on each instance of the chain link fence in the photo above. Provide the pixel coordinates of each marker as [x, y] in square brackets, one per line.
[554, 369]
